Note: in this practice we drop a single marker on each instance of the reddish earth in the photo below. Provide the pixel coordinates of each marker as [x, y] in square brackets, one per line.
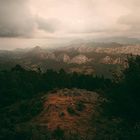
[69, 109]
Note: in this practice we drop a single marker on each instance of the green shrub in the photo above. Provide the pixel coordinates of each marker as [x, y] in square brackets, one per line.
[71, 111]
[80, 106]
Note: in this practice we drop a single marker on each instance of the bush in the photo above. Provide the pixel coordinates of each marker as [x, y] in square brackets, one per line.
[71, 111]
[80, 106]
[58, 133]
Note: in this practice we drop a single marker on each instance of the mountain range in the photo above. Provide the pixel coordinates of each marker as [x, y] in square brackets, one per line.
[88, 57]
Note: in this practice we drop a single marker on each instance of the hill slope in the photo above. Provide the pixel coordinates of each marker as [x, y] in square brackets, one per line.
[70, 111]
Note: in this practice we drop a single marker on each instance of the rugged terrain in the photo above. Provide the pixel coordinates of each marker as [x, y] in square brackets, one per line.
[88, 58]
[70, 110]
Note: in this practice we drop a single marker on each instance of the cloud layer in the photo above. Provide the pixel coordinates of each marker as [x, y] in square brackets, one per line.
[15, 19]
[69, 18]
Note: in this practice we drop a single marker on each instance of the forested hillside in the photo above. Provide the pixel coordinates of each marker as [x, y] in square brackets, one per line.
[117, 116]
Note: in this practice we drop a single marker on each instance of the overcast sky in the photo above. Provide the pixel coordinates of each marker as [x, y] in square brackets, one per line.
[26, 23]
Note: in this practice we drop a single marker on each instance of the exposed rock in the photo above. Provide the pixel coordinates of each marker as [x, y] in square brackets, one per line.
[107, 60]
[64, 58]
[80, 59]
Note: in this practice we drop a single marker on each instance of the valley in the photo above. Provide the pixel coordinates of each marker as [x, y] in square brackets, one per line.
[82, 58]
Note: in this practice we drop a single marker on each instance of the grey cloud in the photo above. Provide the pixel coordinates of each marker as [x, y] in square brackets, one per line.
[48, 25]
[15, 19]
[131, 20]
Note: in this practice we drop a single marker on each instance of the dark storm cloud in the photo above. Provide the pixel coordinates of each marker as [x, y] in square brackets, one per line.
[41, 18]
[15, 19]
[48, 25]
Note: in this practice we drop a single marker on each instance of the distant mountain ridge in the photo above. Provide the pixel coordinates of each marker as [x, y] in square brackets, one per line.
[110, 48]
[82, 58]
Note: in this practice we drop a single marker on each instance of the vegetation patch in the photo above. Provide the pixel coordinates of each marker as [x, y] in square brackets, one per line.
[80, 106]
[71, 110]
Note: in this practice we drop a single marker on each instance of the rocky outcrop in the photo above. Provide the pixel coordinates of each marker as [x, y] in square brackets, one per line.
[107, 60]
[80, 59]
[110, 60]
[64, 58]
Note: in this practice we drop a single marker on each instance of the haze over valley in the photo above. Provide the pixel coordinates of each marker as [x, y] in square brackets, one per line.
[86, 58]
